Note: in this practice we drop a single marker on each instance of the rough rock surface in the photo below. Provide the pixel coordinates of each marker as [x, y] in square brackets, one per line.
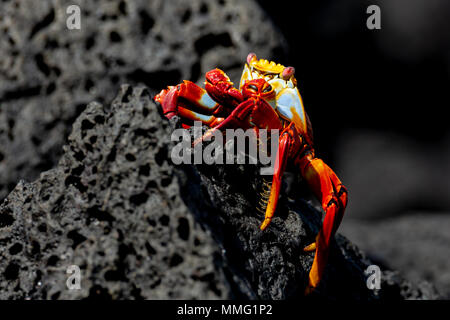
[140, 227]
[49, 73]
[112, 207]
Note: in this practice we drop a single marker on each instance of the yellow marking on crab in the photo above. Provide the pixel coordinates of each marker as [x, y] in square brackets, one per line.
[261, 68]
[298, 121]
[267, 66]
[288, 102]
[246, 75]
[290, 107]
[277, 85]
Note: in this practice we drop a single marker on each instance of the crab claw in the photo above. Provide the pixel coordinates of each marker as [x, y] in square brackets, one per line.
[168, 99]
[220, 88]
[216, 76]
[250, 57]
[287, 73]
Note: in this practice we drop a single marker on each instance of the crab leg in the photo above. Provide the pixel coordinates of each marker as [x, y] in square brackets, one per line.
[280, 165]
[333, 196]
[208, 120]
[181, 98]
[290, 143]
[237, 119]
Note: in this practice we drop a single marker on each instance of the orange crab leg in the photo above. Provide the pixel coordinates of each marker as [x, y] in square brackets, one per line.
[289, 144]
[280, 165]
[333, 196]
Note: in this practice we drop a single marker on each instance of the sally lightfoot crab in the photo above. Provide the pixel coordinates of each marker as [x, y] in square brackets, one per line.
[267, 98]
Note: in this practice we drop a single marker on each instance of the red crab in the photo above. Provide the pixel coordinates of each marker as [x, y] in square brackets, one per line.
[268, 99]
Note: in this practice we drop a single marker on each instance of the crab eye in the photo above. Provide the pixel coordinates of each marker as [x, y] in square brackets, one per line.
[268, 88]
[287, 73]
[253, 87]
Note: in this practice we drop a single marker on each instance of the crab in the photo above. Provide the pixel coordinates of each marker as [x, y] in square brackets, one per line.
[267, 98]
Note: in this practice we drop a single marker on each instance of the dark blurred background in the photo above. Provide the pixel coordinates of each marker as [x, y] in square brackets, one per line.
[377, 99]
[382, 93]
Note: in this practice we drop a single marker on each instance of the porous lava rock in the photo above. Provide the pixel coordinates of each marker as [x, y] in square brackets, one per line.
[138, 226]
[49, 73]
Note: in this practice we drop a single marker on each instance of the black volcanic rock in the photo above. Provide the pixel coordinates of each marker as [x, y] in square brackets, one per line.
[49, 73]
[112, 207]
[140, 227]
